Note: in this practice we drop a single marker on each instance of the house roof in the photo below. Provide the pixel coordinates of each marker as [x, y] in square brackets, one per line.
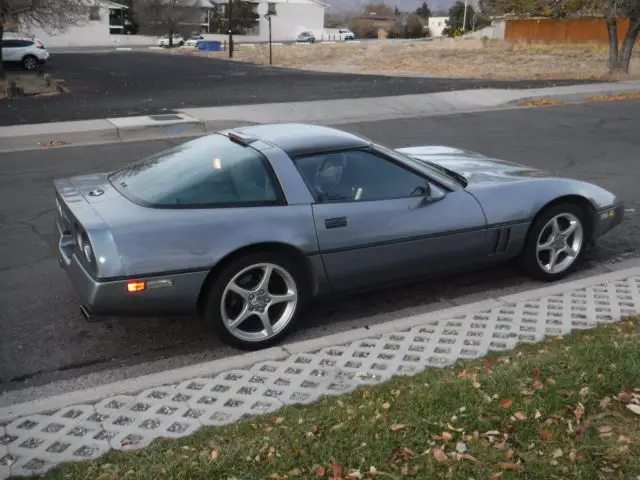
[114, 5]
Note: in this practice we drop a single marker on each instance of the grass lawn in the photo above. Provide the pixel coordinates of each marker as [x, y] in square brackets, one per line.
[561, 409]
[469, 58]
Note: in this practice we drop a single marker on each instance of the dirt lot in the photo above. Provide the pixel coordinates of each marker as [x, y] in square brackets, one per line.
[29, 84]
[468, 58]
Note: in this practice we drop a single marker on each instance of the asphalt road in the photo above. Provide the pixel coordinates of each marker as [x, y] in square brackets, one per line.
[44, 337]
[123, 83]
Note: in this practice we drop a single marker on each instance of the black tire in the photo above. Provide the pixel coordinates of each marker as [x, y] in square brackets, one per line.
[528, 259]
[30, 63]
[213, 304]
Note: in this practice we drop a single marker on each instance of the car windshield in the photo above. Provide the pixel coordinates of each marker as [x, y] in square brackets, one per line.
[207, 172]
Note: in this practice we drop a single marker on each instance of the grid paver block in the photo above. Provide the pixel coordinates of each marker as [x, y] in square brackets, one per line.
[33, 444]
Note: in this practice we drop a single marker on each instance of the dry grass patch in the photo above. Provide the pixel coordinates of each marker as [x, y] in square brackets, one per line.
[30, 84]
[541, 102]
[613, 98]
[474, 58]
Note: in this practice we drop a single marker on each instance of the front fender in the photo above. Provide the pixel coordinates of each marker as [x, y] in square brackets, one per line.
[521, 201]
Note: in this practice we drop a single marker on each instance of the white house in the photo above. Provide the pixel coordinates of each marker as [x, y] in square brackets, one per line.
[107, 24]
[437, 25]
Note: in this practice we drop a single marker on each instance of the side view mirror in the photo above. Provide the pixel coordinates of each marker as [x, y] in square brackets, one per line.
[429, 194]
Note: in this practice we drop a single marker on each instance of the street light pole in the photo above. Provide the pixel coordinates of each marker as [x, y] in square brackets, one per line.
[464, 17]
[268, 17]
[229, 17]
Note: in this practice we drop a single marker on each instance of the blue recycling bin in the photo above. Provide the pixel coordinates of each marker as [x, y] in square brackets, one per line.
[209, 45]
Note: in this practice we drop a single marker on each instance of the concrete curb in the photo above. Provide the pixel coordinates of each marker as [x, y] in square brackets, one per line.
[566, 94]
[199, 121]
[134, 385]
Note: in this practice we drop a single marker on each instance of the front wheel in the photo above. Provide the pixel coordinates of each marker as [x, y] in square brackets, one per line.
[556, 242]
[257, 300]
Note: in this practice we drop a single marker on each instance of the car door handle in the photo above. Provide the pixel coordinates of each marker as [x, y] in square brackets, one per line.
[335, 222]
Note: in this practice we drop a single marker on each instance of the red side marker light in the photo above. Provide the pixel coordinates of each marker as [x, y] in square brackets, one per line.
[136, 286]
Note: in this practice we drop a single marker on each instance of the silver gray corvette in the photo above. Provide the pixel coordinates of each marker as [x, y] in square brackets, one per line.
[245, 226]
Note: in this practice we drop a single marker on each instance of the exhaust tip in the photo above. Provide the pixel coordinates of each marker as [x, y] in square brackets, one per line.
[87, 314]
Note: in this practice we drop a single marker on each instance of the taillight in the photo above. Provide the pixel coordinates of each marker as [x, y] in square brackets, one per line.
[135, 286]
[40, 46]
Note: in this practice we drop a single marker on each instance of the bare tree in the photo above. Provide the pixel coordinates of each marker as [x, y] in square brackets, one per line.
[169, 17]
[50, 15]
[620, 55]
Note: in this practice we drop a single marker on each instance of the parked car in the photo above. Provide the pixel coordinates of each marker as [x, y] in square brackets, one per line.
[193, 41]
[346, 34]
[30, 53]
[245, 226]
[178, 41]
[306, 37]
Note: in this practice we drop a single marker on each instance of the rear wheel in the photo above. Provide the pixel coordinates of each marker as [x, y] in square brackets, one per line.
[556, 242]
[30, 62]
[257, 300]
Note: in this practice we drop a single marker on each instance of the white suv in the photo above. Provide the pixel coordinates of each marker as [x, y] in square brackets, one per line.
[30, 53]
[346, 34]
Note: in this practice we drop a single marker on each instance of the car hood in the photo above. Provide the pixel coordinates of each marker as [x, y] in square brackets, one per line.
[473, 166]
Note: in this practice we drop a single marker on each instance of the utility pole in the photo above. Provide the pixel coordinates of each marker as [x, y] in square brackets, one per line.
[229, 17]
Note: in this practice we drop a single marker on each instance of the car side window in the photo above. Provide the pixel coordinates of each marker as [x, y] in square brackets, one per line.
[358, 175]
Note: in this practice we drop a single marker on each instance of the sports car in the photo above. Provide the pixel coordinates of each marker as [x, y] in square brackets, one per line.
[246, 226]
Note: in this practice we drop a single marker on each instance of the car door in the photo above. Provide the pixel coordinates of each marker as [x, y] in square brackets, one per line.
[11, 50]
[376, 225]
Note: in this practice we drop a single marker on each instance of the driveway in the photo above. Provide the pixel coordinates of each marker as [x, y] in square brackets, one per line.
[129, 83]
[44, 337]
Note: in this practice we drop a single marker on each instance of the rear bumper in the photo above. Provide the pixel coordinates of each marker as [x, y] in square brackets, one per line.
[607, 219]
[172, 294]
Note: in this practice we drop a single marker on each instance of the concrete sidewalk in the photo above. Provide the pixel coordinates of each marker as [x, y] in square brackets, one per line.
[127, 415]
[199, 121]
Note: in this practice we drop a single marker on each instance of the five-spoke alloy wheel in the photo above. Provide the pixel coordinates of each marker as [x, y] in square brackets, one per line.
[256, 300]
[556, 241]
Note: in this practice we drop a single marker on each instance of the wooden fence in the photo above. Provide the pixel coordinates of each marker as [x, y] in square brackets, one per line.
[578, 30]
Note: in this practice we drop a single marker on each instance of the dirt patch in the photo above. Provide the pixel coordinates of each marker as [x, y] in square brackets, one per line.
[613, 98]
[470, 58]
[30, 84]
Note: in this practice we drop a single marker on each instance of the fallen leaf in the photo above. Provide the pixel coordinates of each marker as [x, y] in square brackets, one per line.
[520, 416]
[509, 454]
[514, 467]
[446, 436]
[491, 433]
[634, 408]
[336, 470]
[604, 430]
[296, 472]
[624, 439]
[496, 476]
[373, 470]
[546, 435]
[452, 428]
[624, 397]
[397, 426]
[537, 414]
[557, 453]
[320, 472]
[505, 403]
[355, 475]
[604, 403]
[461, 447]
[440, 456]
[314, 429]
[578, 412]
[471, 458]
[214, 454]
[386, 406]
